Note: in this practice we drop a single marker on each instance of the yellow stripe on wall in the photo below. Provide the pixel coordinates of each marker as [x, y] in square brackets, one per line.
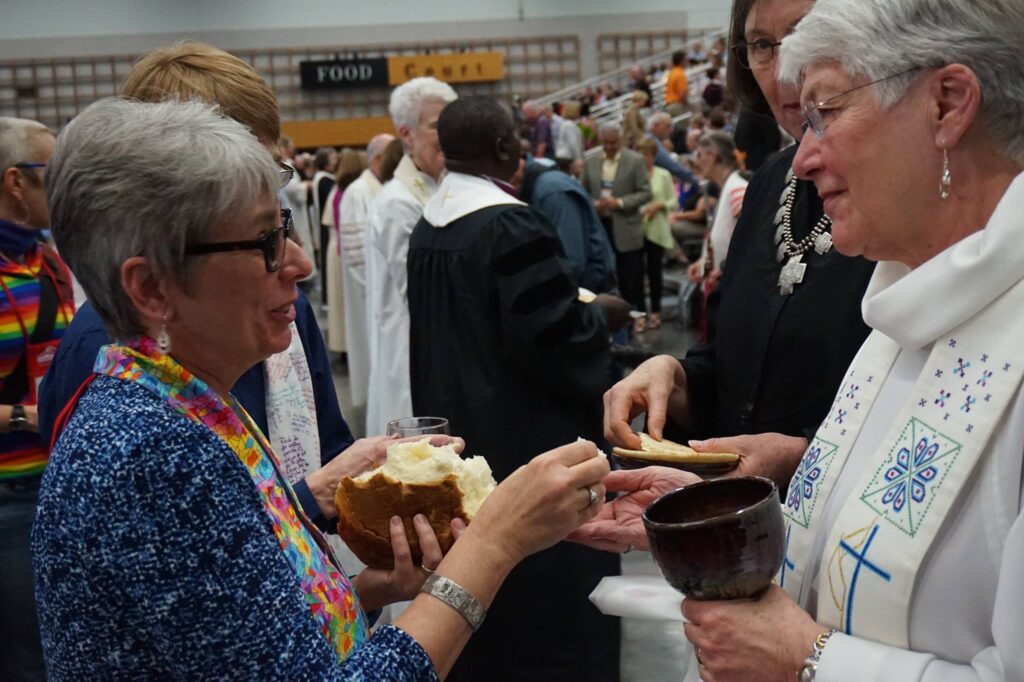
[348, 132]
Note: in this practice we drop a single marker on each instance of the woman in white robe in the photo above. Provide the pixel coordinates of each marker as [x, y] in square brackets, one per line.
[905, 535]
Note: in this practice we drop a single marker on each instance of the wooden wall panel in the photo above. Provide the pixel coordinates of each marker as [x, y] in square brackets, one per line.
[54, 90]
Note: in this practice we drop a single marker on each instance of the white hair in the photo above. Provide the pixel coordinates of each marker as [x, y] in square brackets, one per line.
[377, 145]
[130, 178]
[16, 143]
[660, 117]
[408, 99]
[877, 39]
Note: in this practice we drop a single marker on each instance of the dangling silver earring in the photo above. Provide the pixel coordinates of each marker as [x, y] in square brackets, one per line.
[163, 339]
[947, 179]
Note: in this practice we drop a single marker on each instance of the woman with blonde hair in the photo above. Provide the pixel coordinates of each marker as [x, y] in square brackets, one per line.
[657, 234]
[569, 143]
[633, 124]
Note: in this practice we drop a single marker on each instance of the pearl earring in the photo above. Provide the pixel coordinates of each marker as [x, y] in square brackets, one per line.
[947, 179]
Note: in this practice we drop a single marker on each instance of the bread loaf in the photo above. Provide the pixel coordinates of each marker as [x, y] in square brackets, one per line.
[417, 478]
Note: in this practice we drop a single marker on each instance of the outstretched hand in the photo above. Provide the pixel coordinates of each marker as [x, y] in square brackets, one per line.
[619, 526]
[771, 455]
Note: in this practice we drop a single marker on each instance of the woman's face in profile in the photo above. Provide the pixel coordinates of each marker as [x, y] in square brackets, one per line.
[235, 310]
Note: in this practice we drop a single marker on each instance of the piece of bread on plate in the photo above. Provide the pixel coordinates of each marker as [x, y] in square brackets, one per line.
[669, 451]
[417, 478]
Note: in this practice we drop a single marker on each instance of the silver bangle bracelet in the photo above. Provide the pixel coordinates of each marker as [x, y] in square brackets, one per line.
[455, 596]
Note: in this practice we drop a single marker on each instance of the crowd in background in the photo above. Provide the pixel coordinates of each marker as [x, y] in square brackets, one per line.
[678, 120]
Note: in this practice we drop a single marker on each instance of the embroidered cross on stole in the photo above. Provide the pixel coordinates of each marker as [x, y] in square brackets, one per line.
[871, 556]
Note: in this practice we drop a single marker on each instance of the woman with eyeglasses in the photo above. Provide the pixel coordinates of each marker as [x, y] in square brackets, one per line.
[36, 305]
[904, 551]
[168, 543]
[786, 317]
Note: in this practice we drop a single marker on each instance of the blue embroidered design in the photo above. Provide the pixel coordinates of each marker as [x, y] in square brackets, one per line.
[905, 485]
[916, 470]
[985, 376]
[802, 496]
[861, 558]
[852, 393]
[841, 416]
[966, 407]
[961, 368]
[787, 563]
[944, 395]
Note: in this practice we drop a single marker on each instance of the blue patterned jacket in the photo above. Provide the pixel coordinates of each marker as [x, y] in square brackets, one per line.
[154, 558]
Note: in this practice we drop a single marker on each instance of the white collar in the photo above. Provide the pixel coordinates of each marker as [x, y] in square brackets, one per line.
[916, 307]
[460, 195]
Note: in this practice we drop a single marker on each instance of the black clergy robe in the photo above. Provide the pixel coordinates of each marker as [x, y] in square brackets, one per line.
[501, 346]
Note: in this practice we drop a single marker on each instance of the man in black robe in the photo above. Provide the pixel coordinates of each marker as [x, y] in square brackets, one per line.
[502, 346]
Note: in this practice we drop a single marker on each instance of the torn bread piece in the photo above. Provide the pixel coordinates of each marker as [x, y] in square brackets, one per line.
[416, 478]
[669, 451]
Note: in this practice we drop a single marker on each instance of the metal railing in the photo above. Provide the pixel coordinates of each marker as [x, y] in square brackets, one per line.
[619, 78]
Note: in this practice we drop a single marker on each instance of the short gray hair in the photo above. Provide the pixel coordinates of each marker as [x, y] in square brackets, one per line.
[377, 145]
[610, 128]
[132, 179]
[660, 116]
[16, 144]
[877, 39]
[408, 99]
[722, 145]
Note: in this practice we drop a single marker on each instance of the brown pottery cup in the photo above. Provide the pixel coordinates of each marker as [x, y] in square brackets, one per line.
[720, 539]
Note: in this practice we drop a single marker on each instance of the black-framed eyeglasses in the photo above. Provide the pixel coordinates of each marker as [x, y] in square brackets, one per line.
[755, 54]
[814, 112]
[286, 173]
[272, 244]
[25, 165]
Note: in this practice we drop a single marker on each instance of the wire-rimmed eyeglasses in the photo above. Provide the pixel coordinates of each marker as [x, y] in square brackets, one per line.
[756, 54]
[815, 112]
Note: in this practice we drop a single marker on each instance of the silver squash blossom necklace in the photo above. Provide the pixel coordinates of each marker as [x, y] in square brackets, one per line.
[793, 271]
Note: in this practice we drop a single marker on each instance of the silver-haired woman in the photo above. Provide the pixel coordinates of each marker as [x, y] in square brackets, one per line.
[167, 543]
[905, 536]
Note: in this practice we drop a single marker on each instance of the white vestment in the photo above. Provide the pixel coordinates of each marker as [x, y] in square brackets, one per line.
[966, 609]
[355, 207]
[335, 332]
[393, 215]
[297, 193]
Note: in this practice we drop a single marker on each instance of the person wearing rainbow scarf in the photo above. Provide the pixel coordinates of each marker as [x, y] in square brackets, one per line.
[36, 304]
[167, 541]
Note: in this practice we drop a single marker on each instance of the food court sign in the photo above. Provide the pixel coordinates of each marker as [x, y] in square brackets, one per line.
[458, 67]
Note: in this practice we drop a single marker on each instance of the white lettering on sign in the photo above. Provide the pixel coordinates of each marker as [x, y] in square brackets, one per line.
[344, 73]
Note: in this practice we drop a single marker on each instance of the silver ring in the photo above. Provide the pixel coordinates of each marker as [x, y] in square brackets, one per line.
[593, 496]
[428, 571]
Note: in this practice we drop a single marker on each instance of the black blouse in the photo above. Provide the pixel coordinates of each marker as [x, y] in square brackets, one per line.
[776, 361]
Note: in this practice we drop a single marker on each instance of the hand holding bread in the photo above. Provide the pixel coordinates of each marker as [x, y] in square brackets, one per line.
[657, 387]
[542, 501]
[417, 478]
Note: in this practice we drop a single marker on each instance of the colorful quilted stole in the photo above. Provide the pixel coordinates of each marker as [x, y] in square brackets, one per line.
[331, 599]
[871, 556]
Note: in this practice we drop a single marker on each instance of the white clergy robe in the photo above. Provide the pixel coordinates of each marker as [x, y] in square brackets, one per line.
[966, 612]
[353, 212]
[393, 215]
